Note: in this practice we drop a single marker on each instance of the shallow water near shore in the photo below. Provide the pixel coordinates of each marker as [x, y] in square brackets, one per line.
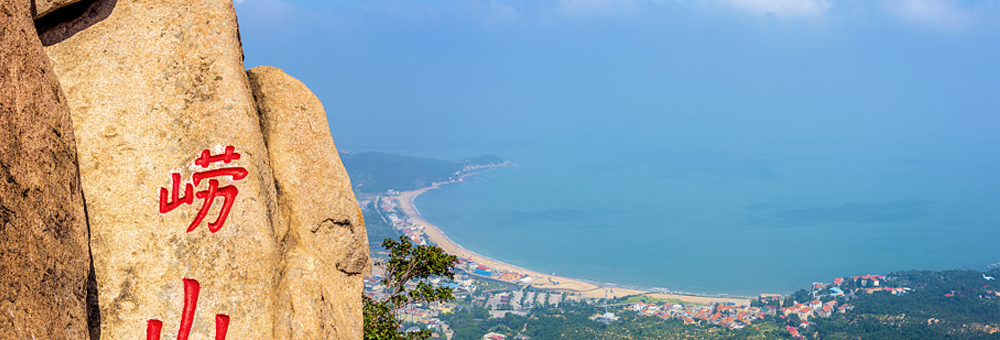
[719, 224]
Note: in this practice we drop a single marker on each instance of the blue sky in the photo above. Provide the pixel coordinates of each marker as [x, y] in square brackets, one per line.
[464, 77]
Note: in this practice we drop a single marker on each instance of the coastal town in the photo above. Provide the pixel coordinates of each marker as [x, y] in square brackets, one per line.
[504, 291]
[503, 295]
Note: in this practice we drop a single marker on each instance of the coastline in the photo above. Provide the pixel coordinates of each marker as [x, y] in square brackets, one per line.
[539, 280]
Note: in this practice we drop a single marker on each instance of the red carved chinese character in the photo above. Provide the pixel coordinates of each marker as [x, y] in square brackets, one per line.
[228, 193]
[153, 327]
[191, 288]
[165, 205]
[206, 159]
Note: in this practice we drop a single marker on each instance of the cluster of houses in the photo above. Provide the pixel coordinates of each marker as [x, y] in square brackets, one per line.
[817, 308]
[868, 284]
[726, 314]
[406, 226]
[874, 283]
[739, 316]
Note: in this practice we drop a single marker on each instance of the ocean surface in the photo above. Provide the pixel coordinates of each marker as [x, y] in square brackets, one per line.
[734, 221]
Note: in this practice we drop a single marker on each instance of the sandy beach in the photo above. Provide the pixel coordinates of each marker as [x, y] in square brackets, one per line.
[540, 280]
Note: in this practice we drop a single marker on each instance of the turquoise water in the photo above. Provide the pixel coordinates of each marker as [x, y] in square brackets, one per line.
[725, 223]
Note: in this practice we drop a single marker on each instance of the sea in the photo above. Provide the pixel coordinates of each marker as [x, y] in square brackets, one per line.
[726, 221]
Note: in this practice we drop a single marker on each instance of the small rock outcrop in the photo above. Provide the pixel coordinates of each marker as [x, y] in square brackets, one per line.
[174, 168]
[319, 296]
[44, 259]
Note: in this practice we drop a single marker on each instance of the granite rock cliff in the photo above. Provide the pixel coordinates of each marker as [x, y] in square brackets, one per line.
[181, 175]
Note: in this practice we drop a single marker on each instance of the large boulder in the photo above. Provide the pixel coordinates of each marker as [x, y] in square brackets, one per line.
[44, 259]
[321, 285]
[166, 126]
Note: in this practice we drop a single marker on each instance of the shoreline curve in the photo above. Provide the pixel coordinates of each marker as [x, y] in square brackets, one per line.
[539, 280]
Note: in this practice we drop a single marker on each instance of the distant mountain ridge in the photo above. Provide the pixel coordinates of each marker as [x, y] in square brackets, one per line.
[373, 172]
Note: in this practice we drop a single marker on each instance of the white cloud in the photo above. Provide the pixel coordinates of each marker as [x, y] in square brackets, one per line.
[941, 13]
[783, 8]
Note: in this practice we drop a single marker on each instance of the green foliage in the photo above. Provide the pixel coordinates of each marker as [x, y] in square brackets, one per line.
[643, 299]
[800, 296]
[473, 324]
[407, 264]
[480, 313]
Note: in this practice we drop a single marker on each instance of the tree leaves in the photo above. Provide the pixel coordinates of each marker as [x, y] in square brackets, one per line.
[408, 266]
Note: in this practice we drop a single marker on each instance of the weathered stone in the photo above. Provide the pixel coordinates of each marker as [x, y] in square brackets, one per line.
[321, 286]
[43, 7]
[150, 85]
[44, 259]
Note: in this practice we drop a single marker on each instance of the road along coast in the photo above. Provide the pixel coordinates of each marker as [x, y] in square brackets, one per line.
[538, 280]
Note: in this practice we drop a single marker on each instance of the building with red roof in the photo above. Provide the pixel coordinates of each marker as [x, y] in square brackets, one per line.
[824, 312]
[805, 313]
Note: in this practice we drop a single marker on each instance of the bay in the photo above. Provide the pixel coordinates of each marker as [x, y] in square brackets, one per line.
[724, 221]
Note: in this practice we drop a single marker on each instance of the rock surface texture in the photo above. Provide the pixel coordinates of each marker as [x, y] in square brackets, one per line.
[158, 93]
[319, 296]
[44, 259]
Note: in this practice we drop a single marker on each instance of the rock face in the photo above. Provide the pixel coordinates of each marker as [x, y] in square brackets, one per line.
[166, 126]
[44, 259]
[321, 285]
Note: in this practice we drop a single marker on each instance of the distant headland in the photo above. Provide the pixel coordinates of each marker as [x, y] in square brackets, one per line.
[374, 172]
